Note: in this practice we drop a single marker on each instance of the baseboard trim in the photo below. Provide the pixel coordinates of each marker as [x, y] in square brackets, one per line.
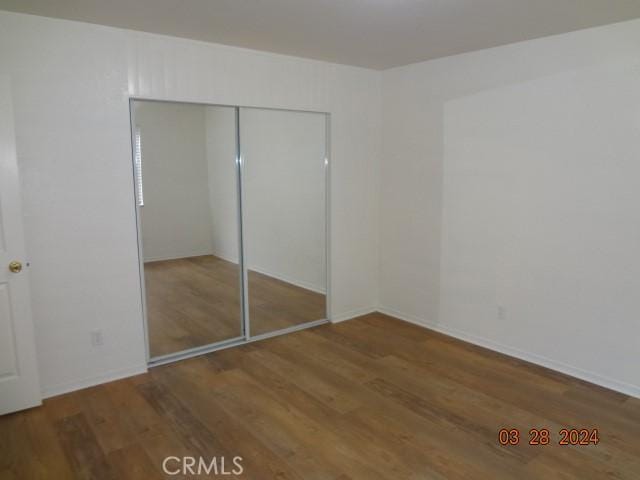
[358, 312]
[587, 376]
[591, 377]
[107, 377]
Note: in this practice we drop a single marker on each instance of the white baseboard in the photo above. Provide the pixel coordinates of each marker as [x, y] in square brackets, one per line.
[591, 377]
[67, 387]
[358, 312]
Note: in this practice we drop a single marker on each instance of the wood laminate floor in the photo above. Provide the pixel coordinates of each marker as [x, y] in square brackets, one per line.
[369, 399]
[195, 301]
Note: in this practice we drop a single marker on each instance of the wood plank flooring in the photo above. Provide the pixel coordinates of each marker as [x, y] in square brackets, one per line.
[195, 301]
[369, 399]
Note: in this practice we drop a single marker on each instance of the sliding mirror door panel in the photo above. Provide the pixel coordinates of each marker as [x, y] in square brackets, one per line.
[284, 217]
[188, 215]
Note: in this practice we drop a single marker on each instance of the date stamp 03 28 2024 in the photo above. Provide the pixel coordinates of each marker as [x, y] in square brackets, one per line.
[542, 436]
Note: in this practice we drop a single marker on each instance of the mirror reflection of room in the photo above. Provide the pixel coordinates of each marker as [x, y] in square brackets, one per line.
[189, 198]
[186, 156]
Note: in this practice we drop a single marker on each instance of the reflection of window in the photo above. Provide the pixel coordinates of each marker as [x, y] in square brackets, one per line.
[137, 165]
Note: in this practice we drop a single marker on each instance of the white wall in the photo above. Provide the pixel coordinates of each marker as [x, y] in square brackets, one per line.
[175, 219]
[511, 179]
[71, 85]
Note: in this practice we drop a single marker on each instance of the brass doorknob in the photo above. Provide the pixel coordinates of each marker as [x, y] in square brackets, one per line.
[15, 266]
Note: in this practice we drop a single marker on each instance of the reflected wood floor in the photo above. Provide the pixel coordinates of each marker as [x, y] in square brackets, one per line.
[195, 301]
[370, 399]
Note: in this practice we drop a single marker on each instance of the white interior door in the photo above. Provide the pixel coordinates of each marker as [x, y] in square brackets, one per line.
[19, 384]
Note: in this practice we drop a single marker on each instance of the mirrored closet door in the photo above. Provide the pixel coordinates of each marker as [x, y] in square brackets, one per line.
[284, 156]
[186, 189]
[232, 230]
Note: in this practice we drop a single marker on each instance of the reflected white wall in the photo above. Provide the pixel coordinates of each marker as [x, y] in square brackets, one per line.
[190, 187]
[284, 191]
[223, 188]
[175, 220]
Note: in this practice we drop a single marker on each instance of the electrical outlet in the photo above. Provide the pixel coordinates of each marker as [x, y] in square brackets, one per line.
[502, 312]
[96, 338]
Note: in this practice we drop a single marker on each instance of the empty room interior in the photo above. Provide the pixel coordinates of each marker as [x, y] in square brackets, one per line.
[320, 240]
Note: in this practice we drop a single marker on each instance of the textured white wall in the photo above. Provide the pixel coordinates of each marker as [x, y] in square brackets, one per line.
[176, 219]
[509, 206]
[71, 87]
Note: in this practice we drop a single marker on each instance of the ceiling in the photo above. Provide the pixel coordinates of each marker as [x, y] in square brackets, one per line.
[370, 33]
